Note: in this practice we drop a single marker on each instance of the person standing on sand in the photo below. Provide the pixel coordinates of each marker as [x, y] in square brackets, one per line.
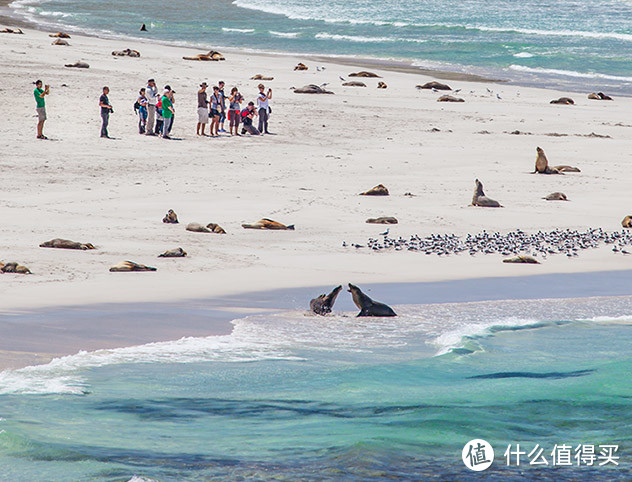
[141, 108]
[215, 113]
[167, 114]
[264, 108]
[202, 109]
[39, 94]
[222, 111]
[106, 110]
[234, 108]
[246, 118]
[151, 94]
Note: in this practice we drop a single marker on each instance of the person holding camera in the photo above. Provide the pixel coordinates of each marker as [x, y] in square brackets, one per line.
[39, 94]
[106, 110]
[263, 99]
[247, 115]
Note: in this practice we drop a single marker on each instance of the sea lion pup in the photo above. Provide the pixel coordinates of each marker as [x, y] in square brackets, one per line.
[170, 218]
[449, 98]
[382, 85]
[266, 223]
[521, 259]
[261, 77]
[78, 65]
[364, 73]
[173, 253]
[209, 228]
[126, 53]
[556, 196]
[301, 66]
[59, 41]
[13, 267]
[324, 303]
[59, 35]
[599, 96]
[379, 190]
[312, 89]
[563, 101]
[480, 199]
[66, 244]
[382, 220]
[367, 306]
[627, 222]
[354, 83]
[124, 266]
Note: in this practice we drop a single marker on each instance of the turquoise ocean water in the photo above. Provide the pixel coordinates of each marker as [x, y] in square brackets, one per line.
[291, 396]
[579, 44]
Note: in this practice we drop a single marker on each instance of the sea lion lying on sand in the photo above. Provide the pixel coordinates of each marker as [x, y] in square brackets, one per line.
[124, 266]
[78, 65]
[367, 306]
[324, 303]
[173, 253]
[563, 101]
[382, 85]
[434, 85]
[59, 35]
[382, 220]
[599, 96]
[261, 77]
[60, 41]
[480, 199]
[542, 165]
[627, 222]
[312, 89]
[211, 56]
[300, 66]
[449, 98]
[14, 268]
[126, 53]
[521, 259]
[12, 30]
[556, 196]
[266, 223]
[354, 83]
[66, 244]
[379, 190]
[209, 228]
[170, 218]
[364, 73]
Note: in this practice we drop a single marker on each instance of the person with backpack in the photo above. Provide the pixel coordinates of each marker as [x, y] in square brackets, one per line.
[247, 115]
[140, 107]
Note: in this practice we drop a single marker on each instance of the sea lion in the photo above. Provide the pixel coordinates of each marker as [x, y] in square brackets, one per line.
[367, 306]
[382, 220]
[173, 253]
[211, 56]
[449, 98]
[59, 35]
[556, 196]
[12, 30]
[354, 83]
[78, 65]
[124, 266]
[567, 169]
[627, 222]
[523, 259]
[382, 85]
[143, 28]
[66, 244]
[126, 53]
[324, 303]
[379, 190]
[542, 163]
[599, 96]
[312, 89]
[170, 218]
[301, 66]
[59, 41]
[13, 267]
[266, 223]
[434, 85]
[563, 101]
[364, 73]
[261, 77]
[209, 228]
[480, 199]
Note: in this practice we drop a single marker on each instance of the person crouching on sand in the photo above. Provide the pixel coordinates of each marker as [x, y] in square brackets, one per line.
[246, 118]
[39, 94]
[202, 109]
[106, 110]
[140, 107]
[234, 100]
[167, 113]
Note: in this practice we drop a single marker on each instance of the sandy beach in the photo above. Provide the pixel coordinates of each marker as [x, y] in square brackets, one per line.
[325, 151]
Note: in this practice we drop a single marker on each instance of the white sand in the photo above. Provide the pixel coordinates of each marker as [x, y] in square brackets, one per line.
[114, 193]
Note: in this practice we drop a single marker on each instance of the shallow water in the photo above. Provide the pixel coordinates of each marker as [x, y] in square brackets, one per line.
[297, 397]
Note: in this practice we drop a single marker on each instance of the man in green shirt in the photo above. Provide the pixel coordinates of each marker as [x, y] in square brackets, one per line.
[39, 94]
[167, 113]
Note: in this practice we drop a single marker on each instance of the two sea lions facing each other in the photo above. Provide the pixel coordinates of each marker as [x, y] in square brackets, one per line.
[78, 65]
[209, 228]
[354, 83]
[66, 244]
[481, 200]
[627, 222]
[126, 53]
[312, 89]
[382, 85]
[382, 220]
[563, 101]
[599, 96]
[173, 253]
[170, 218]
[12, 30]
[449, 98]
[300, 66]
[542, 165]
[13, 267]
[127, 266]
[521, 259]
[379, 190]
[261, 77]
[324, 303]
[59, 35]
[364, 73]
[269, 224]
[434, 85]
[60, 41]
[556, 196]
[211, 56]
